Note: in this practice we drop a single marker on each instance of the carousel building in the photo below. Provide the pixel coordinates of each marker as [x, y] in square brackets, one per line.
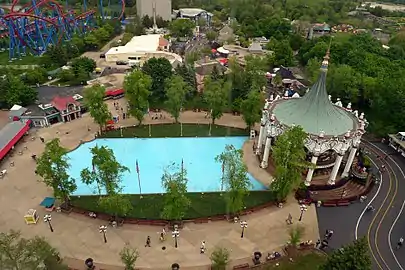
[334, 131]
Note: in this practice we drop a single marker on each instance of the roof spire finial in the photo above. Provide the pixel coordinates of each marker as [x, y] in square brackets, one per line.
[325, 62]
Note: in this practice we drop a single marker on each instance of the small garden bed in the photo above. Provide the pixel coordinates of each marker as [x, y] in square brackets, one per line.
[175, 130]
[305, 260]
[203, 205]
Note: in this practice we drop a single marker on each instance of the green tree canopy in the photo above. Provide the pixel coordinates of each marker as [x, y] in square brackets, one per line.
[159, 69]
[17, 253]
[176, 90]
[289, 158]
[14, 91]
[53, 167]
[217, 95]
[182, 27]
[251, 108]
[137, 87]
[354, 256]
[235, 179]
[94, 101]
[106, 173]
[174, 181]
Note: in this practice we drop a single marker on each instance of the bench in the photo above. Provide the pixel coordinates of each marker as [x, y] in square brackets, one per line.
[241, 266]
[329, 204]
[343, 203]
[200, 221]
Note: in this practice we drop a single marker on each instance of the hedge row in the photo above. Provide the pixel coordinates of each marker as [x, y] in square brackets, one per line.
[175, 130]
[150, 206]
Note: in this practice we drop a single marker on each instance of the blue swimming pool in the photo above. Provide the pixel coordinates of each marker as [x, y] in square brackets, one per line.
[154, 155]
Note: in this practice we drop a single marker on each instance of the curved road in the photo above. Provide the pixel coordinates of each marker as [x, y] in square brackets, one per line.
[383, 227]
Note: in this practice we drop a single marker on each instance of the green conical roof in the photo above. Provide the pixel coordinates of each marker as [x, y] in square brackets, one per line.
[315, 112]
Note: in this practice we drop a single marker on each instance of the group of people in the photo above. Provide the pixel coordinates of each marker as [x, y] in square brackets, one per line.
[325, 242]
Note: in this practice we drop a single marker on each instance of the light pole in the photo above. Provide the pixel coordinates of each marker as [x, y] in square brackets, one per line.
[243, 225]
[103, 230]
[47, 219]
[175, 235]
[303, 208]
[175, 266]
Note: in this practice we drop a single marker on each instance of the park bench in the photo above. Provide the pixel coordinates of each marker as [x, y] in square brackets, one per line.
[241, 266]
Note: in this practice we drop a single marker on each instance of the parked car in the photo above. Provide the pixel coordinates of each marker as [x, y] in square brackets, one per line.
[121, 63]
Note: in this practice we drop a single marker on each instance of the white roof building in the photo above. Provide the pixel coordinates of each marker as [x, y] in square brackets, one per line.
[141, 48]
[137, 47]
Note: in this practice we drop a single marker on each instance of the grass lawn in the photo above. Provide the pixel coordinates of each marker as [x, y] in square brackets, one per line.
[26, 60]
[174, 130]
[151, 205]
[310, 261]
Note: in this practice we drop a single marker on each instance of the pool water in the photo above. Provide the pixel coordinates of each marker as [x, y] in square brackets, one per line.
[156, 154]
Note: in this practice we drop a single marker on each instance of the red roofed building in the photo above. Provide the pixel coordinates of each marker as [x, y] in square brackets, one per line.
[68, 107]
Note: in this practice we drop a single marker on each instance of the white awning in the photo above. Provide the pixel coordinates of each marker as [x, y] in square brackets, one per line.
[15, 108]
[222, 50]
[287, 81]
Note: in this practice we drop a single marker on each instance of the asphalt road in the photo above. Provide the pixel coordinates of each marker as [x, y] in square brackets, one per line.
[384, 227]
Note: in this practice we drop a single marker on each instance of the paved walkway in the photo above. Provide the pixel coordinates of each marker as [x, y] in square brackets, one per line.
[78, 237]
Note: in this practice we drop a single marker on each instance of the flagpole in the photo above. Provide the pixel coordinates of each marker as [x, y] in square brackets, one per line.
[222, 179]
[150, 131]
[139, 179]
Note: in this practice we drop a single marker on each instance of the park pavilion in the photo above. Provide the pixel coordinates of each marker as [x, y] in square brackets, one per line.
[334, 132]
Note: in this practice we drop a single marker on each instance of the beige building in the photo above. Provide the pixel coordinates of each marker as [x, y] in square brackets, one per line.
[163, 8]
[141, 48]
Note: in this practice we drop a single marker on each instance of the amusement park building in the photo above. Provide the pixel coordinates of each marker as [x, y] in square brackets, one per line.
[334, 132]
[141, 48]
[163, 8]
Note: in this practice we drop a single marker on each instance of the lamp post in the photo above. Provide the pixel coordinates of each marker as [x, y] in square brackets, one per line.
[175, 235]
[103, 230]
[47, 219]
[175, 266]
[243, 225]
[303, 208]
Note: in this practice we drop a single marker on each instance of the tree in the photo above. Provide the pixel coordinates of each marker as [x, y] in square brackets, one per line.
[159, 69]
[251, 108]
[85, 63]
[106, 173]
[176, 200]
[115, 204]
[17, 253]
[235, 179]
[176, 90]
[188, 75]
[277, 80]
[343, 82]
[354, 256]
[181, 27]
[137, 87]
[216, 94]
[295, 235]
[14, 91]
[216, 74]
[35, 76]
[220, 258]
[211, 35]
[53, 167]
[289, 158]
[128, 256]
[313, 69]
[94, 101]
[147, 22]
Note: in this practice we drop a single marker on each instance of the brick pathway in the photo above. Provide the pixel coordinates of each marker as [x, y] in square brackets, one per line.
[77, 237]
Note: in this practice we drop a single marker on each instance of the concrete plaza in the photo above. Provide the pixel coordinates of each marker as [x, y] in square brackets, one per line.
[77, 237]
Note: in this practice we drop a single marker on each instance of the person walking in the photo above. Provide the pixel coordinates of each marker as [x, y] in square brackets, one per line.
[400, 243]
[202, 247]
[289, 220]
[147, 241]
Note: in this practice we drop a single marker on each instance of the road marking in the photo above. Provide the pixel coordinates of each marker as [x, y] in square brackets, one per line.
[399, 214]
[371, 201]
[381, 220]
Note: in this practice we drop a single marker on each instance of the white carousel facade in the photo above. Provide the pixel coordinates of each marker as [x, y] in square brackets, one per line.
[334, 131]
